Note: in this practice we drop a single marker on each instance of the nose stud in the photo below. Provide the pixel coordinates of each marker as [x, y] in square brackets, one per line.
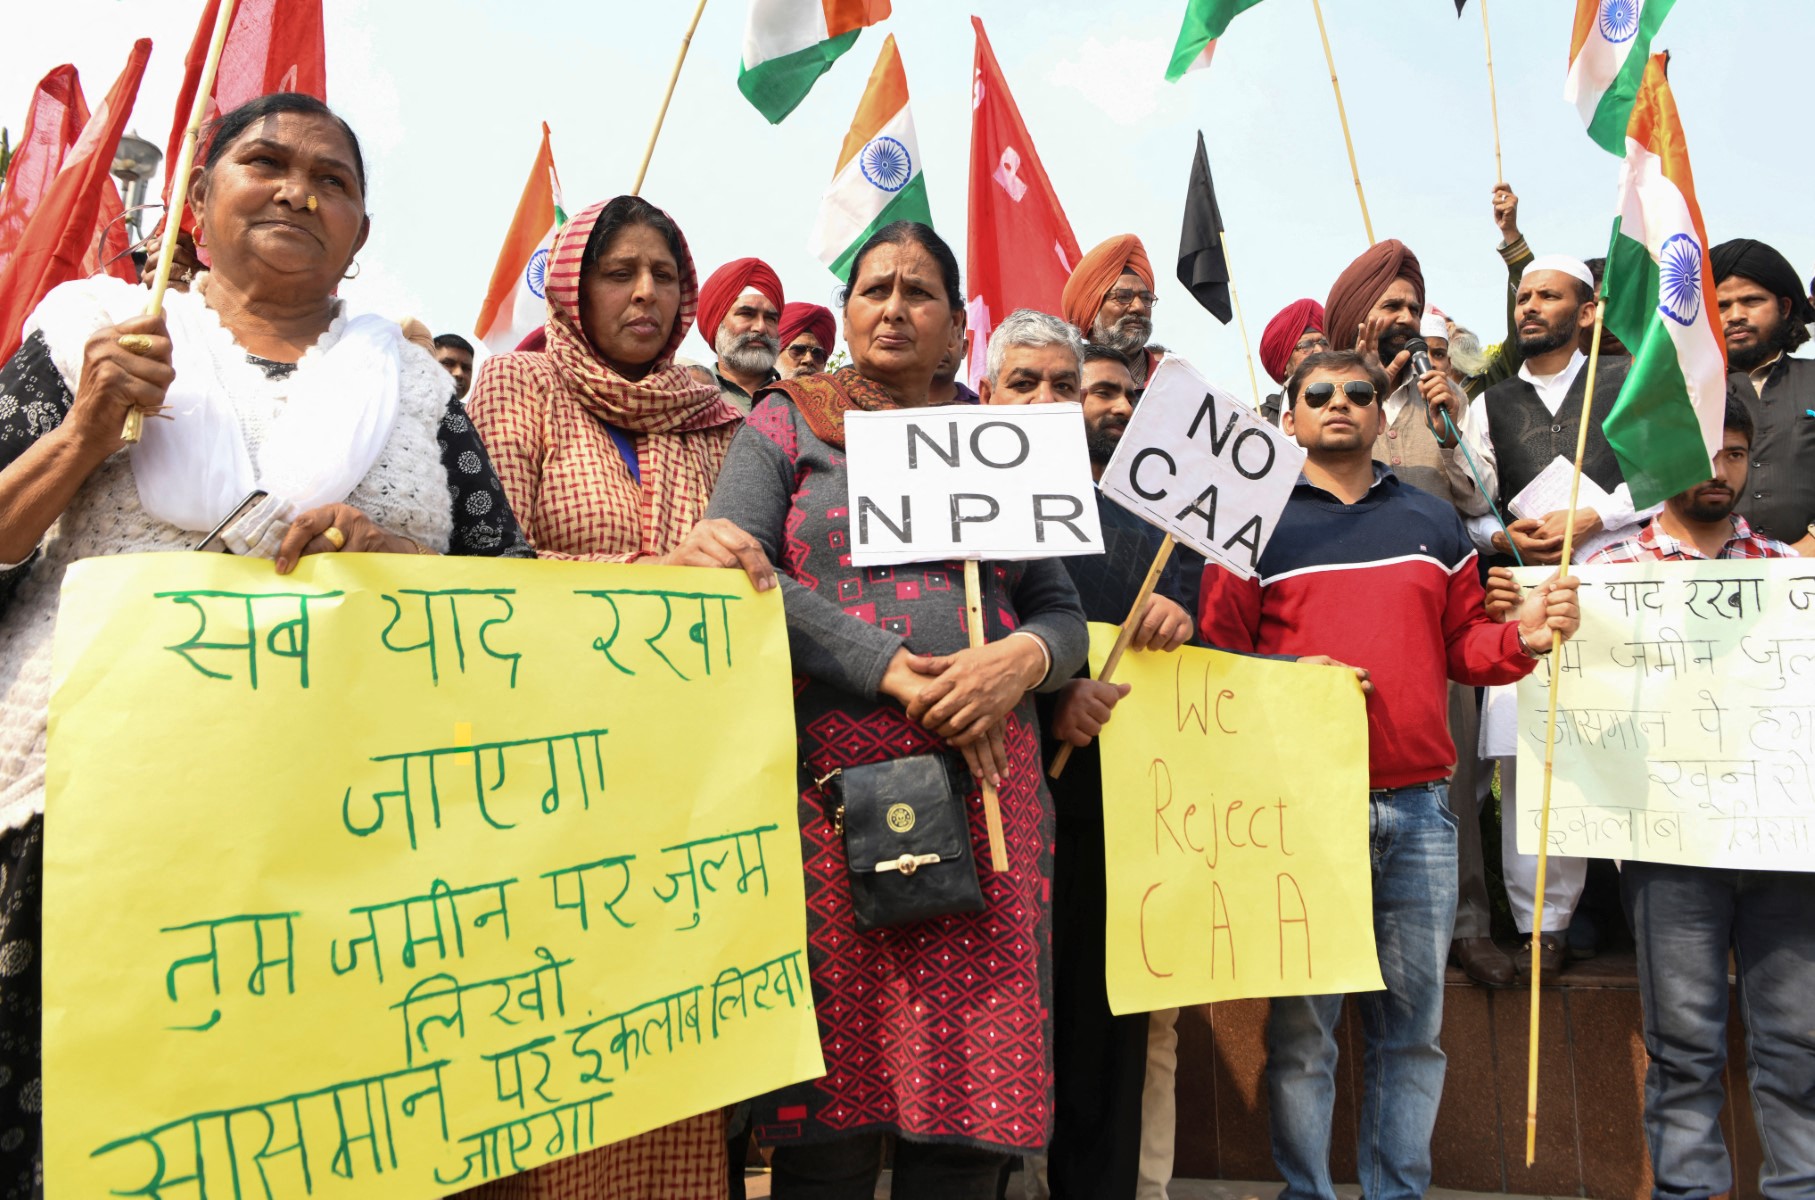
[311, 204]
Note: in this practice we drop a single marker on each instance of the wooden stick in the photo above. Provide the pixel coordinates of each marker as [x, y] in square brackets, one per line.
[1493, 100]
[1550, 747]
[661, 115]
[1135, 613]
[134, 428]
[1354, 170]
[1242, 324]
[992, 807]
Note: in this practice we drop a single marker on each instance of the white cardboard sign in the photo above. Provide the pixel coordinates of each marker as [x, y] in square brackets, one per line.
[1198, 463]
[962, 482]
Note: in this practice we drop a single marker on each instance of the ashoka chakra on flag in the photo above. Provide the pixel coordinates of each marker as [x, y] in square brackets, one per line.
[1619, 20]
[1679, 279]
[886, 163]
[535, 276]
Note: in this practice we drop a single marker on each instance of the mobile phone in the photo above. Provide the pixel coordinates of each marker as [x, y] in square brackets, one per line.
[213, 540]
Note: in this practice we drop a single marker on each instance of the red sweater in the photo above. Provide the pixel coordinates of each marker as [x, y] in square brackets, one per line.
[1388, 584]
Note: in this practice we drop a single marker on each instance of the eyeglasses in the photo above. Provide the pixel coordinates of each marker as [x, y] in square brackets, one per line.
[1359, 391]
[803, 353]
[1123, 297]
[1314, 342]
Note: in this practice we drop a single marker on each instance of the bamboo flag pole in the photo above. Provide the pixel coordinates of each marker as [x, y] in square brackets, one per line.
[1493, 99]
[1135, 612]
[1366, 222]
[1241, 323]
[992, 807]
[661, 115]
[134, 428]
[1550, 746]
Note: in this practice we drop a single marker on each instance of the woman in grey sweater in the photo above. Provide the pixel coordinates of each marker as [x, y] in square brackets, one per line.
[937, 1031]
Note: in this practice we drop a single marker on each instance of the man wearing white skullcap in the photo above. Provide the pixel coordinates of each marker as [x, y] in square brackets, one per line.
[1517, 429]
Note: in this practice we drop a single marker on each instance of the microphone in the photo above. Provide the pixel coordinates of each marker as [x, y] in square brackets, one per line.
[1421, 357]
[1420, 351]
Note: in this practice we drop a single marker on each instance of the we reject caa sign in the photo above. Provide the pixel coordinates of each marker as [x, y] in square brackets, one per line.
[958, 481]
[1198, 463]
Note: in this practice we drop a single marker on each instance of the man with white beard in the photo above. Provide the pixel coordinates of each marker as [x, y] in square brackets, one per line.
[1110, 299]
[740, 314]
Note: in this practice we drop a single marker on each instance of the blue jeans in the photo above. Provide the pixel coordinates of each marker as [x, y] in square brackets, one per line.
[1685, 919]
[1412, 839]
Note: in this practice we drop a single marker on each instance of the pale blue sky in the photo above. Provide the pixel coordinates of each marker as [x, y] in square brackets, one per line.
[448, 97]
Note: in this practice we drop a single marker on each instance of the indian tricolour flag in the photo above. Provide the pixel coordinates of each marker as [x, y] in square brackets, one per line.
[878, 180]
[514, 303]
[1607, 56]
[789, 44]
[1660, 302]
[1205, 21]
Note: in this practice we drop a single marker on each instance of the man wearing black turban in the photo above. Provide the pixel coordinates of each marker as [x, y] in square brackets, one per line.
[1764, 316]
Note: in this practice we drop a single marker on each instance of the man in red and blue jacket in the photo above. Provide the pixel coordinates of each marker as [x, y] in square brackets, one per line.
[1374, 575]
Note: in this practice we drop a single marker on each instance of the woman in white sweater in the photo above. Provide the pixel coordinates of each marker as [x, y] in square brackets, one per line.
[270, 386]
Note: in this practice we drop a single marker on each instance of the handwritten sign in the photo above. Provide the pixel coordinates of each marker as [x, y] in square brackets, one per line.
[962, 482]
[393, 876]
[1237, 861]
[1686, 721]
[1198, 463]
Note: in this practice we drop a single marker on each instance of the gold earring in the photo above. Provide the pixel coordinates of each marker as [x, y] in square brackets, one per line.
[311, 204]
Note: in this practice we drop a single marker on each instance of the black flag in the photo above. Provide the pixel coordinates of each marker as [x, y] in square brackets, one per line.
[1201, 265]
[1459, 4]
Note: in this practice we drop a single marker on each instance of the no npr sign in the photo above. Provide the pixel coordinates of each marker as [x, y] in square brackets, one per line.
[963, 482]
[1198, 463]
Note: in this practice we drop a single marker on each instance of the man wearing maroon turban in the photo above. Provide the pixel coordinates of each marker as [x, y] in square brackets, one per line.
[740, 314]
[1109, 297]
[807, 331]
[1293, 335]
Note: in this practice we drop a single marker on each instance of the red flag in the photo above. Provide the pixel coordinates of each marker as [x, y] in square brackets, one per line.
[272, 46]
[110, 249]
[1021, 246]
[62, 230]
[52, 125]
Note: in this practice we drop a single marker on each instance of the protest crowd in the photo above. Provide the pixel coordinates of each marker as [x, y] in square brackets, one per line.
[971, 1036]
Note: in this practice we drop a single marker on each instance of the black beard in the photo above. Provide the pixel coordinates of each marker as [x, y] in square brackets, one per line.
[1707, 514]
[1101, 445]
[1391, 343]
[1544, 343]
[1766, 347]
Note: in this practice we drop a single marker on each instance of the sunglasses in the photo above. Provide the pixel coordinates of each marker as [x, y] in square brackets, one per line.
[803, 353]
[1359, 391]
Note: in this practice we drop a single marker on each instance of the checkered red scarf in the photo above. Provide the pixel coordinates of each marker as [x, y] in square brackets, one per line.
[680, 419]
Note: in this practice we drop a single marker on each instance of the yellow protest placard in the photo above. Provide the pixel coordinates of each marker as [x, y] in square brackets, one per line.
[396, 875]
[1235, 811]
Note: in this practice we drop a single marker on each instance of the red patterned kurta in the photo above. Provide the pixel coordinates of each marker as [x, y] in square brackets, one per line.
[937, 1030]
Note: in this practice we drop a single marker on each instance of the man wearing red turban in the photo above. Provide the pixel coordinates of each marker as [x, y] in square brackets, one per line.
[807, 331]
[1293, 335]
[740, 314]
[1109, 297]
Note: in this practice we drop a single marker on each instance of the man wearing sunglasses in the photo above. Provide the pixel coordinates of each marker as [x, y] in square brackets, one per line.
[807, 332]
[1372, 574]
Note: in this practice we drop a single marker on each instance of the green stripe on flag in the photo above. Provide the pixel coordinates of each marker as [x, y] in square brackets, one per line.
[1205, 21]
[909, 204]
[778, 86]
[1611, 115]
[1652, 425]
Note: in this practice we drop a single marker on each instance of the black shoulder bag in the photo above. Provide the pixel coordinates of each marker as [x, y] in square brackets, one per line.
[907, 838]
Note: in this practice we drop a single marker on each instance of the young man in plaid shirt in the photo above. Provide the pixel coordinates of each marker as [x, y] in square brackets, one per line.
[1686, 919]
[1701, 523]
